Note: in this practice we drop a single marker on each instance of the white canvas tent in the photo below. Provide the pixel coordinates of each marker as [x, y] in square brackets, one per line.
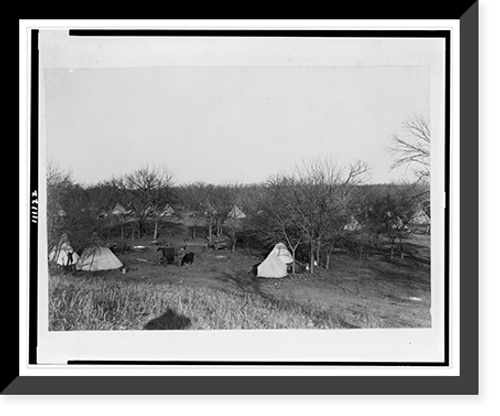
[283, 253]
[421, 218]
[276, 263]
[63, 254]
[98, 258]
[352, 225]
[167, 211]
[236, 213]
[118, 210]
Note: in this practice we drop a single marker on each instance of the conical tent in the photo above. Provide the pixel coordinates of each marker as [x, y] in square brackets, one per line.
[397, 223]
[167, 211]
[353, 225]
[98, 258]
[236, 213]
[272, 267]
[63, 254]
[118, 210]
[275, 264]
[421, 218]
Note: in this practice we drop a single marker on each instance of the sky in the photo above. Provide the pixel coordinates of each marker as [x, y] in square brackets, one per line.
[219, 123]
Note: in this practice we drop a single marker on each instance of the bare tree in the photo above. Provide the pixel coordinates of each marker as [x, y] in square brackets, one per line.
[191, 198]
[250, 199]
[311, 205]
[413, 146]
[235, 218]
[391, 212]
[214, 208]
[70, 211]
[103, 197]
[58, 183]
[210, 202]
[280, 219]
[328, 191]
[148, 190]
[222, 197]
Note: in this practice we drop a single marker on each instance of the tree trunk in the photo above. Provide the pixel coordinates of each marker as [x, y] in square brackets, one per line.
[328, 257]
[293, 260]
[142, 229]
[311, 265]
[216, 226]
[318, 252]
[155, 234]
[358, 280]
[210, 232]
[247, 243]
[233, 237]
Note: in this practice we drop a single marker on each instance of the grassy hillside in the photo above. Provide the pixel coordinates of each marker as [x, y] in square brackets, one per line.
[115, 304]
[218, 291]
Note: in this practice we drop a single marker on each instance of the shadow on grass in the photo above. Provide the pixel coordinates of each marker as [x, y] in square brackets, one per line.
[417, 252]
[246, 282]
[409, 271]
[169, 320]
[249, 284]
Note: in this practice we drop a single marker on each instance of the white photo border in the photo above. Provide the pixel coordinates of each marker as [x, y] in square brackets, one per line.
[452, 369]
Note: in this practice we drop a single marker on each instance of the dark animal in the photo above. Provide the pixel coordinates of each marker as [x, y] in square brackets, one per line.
[168, 254]
[187, 259]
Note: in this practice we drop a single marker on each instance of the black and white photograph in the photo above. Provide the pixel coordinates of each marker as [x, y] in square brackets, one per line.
[270, 189]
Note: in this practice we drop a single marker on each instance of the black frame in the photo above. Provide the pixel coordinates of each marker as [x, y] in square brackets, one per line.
[349, 384]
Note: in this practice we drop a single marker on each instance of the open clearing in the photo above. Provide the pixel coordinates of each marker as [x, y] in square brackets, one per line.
[219, 291]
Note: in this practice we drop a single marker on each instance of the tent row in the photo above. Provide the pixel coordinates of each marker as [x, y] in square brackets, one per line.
[93, 258]
[419, 218]
[168, 211]
[118, 210]
[96, 258]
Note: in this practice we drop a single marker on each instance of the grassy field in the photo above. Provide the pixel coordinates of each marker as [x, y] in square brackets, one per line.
[219, 292]
[113, 304]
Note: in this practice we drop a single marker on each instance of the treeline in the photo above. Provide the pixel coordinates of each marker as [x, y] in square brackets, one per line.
[314, 209]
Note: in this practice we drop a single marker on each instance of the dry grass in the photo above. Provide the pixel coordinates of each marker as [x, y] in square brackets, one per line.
[219, 292]
[102, 303]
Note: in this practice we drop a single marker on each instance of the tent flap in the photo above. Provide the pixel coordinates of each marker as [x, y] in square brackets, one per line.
[63, 254]
[275, 264]
[98, 258]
